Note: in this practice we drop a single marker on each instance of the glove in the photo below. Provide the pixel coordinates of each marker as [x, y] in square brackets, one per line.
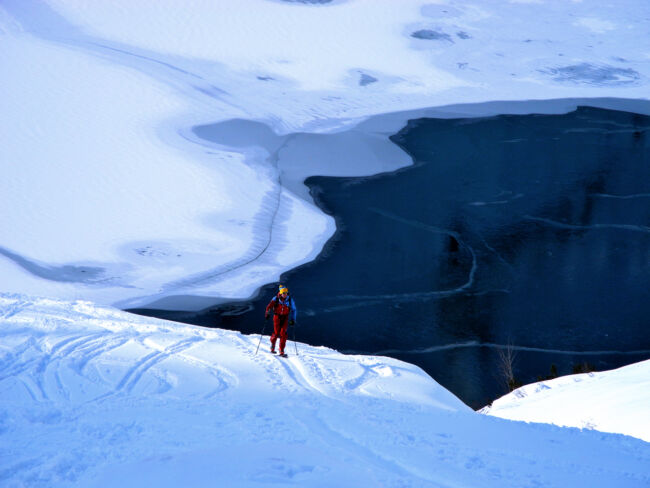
[292, 322]
[267, 316]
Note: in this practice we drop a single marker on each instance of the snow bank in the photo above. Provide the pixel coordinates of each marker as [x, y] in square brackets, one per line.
[109, 193]
[96, 397]
[610, 401]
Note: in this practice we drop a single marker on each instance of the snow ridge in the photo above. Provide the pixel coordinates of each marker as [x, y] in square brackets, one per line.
[93, 396]
[611, 401]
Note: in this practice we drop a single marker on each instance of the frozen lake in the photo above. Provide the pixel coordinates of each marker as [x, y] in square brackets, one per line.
[528, 230]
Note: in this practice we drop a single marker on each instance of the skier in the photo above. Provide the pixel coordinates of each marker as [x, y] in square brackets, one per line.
[283, 309]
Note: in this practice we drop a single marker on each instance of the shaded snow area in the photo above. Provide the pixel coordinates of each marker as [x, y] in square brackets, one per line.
[111, 195]
[97, 397]
[610, 401]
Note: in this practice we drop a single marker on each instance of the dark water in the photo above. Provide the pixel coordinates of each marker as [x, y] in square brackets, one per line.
[528, 230]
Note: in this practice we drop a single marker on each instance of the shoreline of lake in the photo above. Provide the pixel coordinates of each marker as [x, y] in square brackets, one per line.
[360, 147]
[444, 239]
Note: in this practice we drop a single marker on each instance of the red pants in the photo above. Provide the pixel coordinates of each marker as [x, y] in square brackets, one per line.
[280, 324]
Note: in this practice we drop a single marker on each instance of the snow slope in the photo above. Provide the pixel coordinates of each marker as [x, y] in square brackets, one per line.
[92, 396]
[111, 196]
[609, 401]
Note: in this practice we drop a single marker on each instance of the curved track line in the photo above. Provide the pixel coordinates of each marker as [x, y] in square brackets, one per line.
[135, 374]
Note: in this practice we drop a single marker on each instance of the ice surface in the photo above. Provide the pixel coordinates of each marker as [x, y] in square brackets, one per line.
[94, 396]
[110, 195]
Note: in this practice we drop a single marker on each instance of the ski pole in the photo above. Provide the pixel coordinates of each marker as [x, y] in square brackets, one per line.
[294, 338]
[261, 335]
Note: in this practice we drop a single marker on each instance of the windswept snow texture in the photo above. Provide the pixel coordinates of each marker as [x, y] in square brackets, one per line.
[101, 170]
[96, 397]
[595, 74]
[610, 401]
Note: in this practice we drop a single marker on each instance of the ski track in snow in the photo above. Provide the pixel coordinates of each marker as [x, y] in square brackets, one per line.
[98, 397]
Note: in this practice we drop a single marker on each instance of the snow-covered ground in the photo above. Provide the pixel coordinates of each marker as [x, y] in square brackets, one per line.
[108, 194]
[153, 153]
[610, 401]
[95, 397]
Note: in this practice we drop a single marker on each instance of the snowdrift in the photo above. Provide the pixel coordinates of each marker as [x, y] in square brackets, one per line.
[609, 401]
[93, 396]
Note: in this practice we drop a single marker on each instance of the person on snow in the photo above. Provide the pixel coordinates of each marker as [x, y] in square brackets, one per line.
[283, 309]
